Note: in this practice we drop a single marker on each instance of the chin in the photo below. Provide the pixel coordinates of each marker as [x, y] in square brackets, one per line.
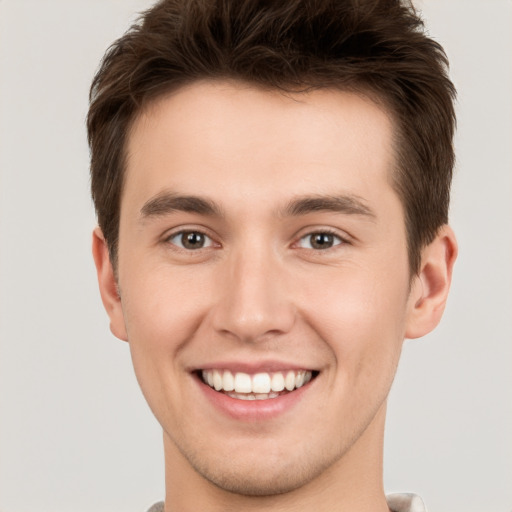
[252, 476]
[247, 483]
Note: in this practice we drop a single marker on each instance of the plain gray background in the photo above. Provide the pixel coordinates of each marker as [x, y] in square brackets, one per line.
[75, 432]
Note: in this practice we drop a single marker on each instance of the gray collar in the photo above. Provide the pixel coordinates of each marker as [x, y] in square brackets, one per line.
[400, 502]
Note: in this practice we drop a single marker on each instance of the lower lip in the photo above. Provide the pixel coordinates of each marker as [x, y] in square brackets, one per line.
[254, 410]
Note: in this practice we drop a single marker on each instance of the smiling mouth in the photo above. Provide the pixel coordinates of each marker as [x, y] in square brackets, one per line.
[259, 386]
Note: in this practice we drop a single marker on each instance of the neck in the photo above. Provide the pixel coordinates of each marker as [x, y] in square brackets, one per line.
[354, 482]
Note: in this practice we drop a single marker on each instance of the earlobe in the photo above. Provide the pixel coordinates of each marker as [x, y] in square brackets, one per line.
[431, 286]
[108, 285]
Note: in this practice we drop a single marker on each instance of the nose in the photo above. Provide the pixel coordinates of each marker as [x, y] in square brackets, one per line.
[254, 303]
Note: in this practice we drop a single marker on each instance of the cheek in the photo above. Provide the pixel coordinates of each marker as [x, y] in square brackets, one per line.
[161, 307]
[162, 315]
[162, 312]
[361, 316]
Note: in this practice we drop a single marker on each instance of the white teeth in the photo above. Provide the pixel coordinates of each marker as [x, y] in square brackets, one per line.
[277, 383]
[243, 383]
[228, 381]
[289, 381]
[261, 383]
[259, 386]
[217, 380]
[253, 396]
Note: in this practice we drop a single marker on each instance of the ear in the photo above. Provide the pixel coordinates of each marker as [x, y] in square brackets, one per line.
[108, 285]
[430, 287]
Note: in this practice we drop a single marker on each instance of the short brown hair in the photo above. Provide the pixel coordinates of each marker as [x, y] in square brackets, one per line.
[377, 47]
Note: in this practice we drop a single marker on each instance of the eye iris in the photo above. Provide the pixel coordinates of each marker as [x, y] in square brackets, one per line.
[321, 240]
[192, 240]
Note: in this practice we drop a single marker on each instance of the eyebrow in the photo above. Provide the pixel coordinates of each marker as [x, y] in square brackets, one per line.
[346, 204]
[167, 202]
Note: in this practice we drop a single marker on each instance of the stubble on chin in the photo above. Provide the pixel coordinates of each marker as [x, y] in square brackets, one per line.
[252, 474]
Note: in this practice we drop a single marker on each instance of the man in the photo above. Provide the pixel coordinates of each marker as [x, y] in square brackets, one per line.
[272, 184]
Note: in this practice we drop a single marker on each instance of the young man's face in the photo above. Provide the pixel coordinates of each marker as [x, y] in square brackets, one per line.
[261, 240]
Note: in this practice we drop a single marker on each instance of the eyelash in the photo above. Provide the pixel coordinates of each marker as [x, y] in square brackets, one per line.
[328, 232]
[211, 243]
[183, 232]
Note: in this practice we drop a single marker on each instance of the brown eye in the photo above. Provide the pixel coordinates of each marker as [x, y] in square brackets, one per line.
[191, 240]
[320, 241]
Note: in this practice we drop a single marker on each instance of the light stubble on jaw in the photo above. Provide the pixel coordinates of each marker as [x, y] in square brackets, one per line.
[259, 483]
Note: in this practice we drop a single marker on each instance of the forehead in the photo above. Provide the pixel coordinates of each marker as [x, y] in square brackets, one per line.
[210, 134]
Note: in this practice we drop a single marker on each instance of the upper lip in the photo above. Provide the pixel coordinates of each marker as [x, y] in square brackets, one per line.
[254, 367]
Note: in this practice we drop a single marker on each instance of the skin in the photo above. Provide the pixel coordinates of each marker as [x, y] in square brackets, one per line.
[258, 291]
